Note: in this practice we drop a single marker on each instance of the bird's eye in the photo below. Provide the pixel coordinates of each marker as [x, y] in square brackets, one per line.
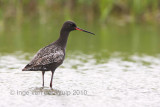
[72, 25]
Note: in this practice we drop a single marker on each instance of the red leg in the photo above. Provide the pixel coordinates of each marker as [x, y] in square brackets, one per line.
[43, 72]
[51, 79]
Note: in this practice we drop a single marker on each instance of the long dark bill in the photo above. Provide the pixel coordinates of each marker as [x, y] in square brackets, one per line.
[84, 30]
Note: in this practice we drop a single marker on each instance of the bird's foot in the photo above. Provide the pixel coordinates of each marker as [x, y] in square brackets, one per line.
[51, 88]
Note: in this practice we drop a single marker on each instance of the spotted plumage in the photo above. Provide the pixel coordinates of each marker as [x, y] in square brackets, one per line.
[52, 56]
[46, 57]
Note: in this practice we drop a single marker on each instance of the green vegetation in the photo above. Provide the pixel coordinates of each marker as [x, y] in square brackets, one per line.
[86, 10]
[119, 25]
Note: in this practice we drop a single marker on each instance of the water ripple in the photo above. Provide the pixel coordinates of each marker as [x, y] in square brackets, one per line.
[116, 81]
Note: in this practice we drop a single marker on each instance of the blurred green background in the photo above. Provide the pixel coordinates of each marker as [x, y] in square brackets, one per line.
[130, 26]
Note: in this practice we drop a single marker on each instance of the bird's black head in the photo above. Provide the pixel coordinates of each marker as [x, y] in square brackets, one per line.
[70, 26]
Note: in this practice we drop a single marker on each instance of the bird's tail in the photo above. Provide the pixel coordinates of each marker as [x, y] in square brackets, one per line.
[24, 69]
[34, 68]
[27, 68]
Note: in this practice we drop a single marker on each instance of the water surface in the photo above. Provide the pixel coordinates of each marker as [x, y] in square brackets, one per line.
[118, 67]
[83, 80]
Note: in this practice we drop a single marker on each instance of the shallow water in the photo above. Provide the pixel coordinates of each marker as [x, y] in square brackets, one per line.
[83, 80]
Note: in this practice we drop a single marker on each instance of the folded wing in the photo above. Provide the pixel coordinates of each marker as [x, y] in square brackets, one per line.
[45, 56]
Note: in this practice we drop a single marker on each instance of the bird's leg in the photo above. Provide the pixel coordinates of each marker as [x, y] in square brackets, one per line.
[43, 72]
[51, 79]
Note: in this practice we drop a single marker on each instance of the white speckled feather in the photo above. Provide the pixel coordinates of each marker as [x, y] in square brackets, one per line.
[48, 55]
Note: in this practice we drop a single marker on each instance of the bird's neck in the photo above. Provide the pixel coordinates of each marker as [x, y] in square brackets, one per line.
[62, 40]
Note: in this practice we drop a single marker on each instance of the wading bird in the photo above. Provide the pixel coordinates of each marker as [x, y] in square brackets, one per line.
[52, 56]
